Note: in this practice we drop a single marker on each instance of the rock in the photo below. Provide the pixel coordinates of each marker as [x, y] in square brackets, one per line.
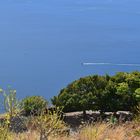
[18, 124]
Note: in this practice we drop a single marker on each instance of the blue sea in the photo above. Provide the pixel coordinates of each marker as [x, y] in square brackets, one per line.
[43, 43]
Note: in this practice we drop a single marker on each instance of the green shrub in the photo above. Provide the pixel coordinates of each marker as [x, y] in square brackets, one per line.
[33, 105]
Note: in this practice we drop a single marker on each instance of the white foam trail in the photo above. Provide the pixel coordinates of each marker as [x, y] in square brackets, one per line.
[113, 64]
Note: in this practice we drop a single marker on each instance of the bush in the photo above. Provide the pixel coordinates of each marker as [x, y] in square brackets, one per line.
[33, 105]
[48, 124]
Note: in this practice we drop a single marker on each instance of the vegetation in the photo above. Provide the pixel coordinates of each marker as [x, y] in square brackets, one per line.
[44, 122]
[48, 124]
[34, 105]
[104, 93]
[99, 131]
[12, 108]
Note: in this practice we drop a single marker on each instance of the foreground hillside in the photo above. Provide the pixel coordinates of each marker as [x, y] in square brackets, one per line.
[76, 128]
[101, 131]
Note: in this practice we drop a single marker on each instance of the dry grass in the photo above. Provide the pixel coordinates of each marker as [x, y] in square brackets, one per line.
[106, 132]
[93, 132]
[31, 135]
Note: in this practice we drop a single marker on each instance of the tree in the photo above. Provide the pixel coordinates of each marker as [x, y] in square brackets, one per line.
[124, 96]
[107, 101]
[104, 93]
[137, 95]
[78, 96]
[133, 80]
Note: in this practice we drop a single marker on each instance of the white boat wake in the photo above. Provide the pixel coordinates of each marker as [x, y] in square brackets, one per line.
[112, 64]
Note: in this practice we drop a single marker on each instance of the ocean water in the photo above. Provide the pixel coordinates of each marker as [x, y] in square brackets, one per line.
[43, 43]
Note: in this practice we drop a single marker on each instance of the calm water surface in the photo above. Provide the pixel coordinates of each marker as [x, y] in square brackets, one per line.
[44, 42]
